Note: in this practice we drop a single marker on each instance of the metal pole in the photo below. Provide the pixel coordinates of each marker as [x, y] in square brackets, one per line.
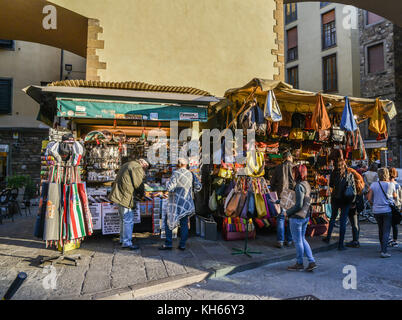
[15, 286]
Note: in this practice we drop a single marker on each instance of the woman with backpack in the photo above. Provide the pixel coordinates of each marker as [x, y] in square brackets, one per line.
[343, 195]
[382, 211]
[299, 216]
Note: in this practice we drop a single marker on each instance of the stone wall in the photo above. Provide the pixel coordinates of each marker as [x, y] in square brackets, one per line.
[24, 152]
[381, 84]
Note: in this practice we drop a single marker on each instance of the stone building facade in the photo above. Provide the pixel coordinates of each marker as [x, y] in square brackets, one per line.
[24, 151]
[385, 82]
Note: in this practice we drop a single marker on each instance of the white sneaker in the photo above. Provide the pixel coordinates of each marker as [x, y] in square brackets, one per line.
[385, 255]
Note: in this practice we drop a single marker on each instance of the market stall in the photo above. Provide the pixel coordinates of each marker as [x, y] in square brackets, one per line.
[314, 127]
[111, 121]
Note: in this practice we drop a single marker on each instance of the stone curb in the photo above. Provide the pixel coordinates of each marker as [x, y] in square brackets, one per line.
[176, 282]
[151, 287]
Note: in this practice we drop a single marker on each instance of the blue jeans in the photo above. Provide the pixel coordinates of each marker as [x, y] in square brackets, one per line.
[282, 232]
[342, 221]
[183, 233]
[298, 228]
[384, 221]
[126, 226]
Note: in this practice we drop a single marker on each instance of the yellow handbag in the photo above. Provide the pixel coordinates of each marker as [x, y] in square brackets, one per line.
[259, 202]
[296, 134]
[225, 173]
[255, 167]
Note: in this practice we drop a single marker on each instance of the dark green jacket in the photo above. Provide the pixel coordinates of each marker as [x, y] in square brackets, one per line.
[129, 178]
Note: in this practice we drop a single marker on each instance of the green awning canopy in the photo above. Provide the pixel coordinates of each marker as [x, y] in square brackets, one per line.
[134, 111]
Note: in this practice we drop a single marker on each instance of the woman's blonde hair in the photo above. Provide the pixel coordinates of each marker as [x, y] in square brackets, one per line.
[393, 173]
[383, 174]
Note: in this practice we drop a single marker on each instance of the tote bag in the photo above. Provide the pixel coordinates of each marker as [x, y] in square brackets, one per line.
[52, 216]
[40, 219]
[272, 110]
[85, 208]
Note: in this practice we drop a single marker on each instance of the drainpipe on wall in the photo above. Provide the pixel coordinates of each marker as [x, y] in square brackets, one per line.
[61, 64]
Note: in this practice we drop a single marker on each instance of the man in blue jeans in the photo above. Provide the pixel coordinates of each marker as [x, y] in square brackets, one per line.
[128, 183]
[283, 234]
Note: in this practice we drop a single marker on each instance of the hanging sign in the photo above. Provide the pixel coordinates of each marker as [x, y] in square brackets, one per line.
[110, 219]
[96, 212]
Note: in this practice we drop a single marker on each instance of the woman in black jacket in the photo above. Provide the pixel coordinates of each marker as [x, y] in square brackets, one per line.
[343, 195]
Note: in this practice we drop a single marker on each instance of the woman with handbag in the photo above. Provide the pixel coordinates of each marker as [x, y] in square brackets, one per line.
[381, 205]
[299, 216]
[343, 195]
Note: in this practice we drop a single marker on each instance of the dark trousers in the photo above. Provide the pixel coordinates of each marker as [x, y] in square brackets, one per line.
[344, 208]
[384, 222]
[395, 232]
[354, 222]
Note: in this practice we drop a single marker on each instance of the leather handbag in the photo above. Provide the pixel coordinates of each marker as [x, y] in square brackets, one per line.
[225, 173]
[251, 205]
[242, 203]
[213, 204]
[309, 135]
[255, 167]
[274, 208]
[337, 134]
[296, 134]
[244, 211]
[233, 204]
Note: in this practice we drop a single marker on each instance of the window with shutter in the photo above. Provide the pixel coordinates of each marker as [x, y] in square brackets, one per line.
[6, 87]
[328, 29]
[293, 77]
[292, 44]
[373, 18]
[375, 58]
[330, 74]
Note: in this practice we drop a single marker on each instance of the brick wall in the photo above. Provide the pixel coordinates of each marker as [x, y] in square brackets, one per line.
[24, 151]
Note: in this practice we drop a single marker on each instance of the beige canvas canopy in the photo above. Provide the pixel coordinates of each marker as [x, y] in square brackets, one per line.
[294, 100]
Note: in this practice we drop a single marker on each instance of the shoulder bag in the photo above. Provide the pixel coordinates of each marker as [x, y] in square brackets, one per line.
[306, 202]
[396, 214]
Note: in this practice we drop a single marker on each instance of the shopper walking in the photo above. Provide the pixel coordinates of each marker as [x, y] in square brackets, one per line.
[128, 183]
[299, 216]
[370, 176]
[356, 207]
[181, 186]
[393, 174]
[342, 196]
[378, 196]
[282, 178]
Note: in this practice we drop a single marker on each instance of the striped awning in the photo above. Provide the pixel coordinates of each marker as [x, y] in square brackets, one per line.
[129, 85]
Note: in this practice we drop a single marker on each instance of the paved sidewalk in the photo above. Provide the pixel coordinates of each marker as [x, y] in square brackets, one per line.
[107, 272]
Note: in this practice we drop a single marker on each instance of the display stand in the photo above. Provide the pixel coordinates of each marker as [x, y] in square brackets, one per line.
[246, 250]
[59, 258]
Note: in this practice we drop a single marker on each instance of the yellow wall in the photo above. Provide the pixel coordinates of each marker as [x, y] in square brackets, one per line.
[29, 64]
[207, 44]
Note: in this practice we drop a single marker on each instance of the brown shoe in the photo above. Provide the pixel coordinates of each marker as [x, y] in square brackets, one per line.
[296, 267]
[311, 266]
